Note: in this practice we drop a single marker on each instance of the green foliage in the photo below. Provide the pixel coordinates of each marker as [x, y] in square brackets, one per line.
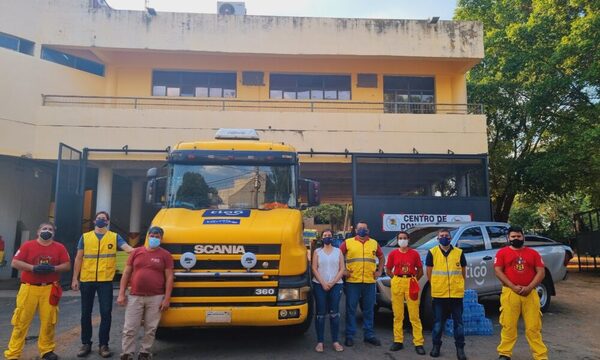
[333, 214]
[540, 83]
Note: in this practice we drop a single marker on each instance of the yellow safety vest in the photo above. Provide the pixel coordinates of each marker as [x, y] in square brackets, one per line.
[99, 257]
[360, 260]
[446, 275]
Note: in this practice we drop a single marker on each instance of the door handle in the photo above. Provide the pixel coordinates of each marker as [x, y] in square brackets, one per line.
[487, 258]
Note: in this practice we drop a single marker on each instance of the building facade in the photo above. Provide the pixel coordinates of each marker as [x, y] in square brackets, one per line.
[377, 108]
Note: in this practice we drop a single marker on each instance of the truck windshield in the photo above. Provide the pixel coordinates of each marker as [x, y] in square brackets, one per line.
[232, 187]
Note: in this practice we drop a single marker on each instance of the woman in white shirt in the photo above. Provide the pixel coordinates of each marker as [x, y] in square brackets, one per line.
[328, 268]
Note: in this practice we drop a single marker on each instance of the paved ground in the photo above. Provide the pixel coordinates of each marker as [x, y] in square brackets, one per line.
[570, 331]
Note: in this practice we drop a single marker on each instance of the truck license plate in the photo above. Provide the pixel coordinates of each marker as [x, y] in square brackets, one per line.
[218, 317]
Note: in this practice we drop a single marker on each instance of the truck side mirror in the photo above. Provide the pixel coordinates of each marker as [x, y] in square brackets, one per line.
[310, 192]
[155, 188]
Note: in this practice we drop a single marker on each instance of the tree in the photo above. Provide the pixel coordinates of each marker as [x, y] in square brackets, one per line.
[331, 213]
[539, 82]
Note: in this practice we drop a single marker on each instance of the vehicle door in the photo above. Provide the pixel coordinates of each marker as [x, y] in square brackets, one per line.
[497, 238]
[479, 259]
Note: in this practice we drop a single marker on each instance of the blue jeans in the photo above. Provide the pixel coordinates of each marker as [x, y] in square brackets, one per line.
[443, 308]
[328, 303]
[366, 294]
[105, 299]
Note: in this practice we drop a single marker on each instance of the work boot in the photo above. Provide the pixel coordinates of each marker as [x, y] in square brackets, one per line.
[104, 351]
[373, 341]
[435, 351]
[85, 350]
[460, 354]
[503, 357]
[144, 356]
[349, 342]
[396, 346]
[50, 356]
[420, 350]
[126, 356]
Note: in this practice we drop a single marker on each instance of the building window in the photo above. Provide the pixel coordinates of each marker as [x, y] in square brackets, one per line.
[366, 80]
[73, 61]
[16, 44]
[405, 94]
[421, 177]
[306, 87]
[193, 84]
[253, 78]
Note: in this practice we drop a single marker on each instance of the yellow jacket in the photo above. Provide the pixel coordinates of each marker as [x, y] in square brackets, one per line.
[360, 260]
[446, 275]
[99, 257]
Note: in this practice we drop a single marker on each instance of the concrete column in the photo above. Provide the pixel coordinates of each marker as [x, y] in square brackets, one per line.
[135, 213]
[104, 195]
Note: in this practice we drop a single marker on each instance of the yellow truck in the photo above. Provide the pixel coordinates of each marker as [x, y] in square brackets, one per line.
[232, 222]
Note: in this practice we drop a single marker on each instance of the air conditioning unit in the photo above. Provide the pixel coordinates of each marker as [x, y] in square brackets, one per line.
[231, 8]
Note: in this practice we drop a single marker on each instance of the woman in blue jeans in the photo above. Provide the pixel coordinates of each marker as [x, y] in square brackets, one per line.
[328, 269]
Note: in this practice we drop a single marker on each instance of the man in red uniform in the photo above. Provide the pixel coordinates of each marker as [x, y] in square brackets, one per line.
[150, 269]
[40, 261]
[404, 266]
[521, 270]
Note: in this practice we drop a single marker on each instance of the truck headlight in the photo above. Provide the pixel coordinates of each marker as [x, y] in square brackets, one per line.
[293, 294]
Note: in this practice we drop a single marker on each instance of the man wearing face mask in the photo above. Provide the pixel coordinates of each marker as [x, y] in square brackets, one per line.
[361, 253]
[150, 269]
[446, 271]
[521, 270]
[404, 266]
[93, 272]
[40, 262]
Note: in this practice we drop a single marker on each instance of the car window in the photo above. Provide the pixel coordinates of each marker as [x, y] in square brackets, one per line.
[533, 240]
[471, 240]
[497, 236]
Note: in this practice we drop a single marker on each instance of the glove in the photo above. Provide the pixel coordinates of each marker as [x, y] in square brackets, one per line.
[43, 269]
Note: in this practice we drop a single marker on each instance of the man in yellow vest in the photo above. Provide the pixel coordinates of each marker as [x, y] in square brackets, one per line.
[94, 269]
[446, 273]
[361, 253]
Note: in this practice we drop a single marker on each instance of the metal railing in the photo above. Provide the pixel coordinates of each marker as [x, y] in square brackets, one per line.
[227, 104]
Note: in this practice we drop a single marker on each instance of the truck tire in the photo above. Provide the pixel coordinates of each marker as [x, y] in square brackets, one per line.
[426, 309]
[543, 290]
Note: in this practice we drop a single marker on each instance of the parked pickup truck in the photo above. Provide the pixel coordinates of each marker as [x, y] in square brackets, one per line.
[479, 241]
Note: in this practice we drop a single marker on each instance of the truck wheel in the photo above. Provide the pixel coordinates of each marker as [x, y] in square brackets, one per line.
[426, 313]
[543, 291]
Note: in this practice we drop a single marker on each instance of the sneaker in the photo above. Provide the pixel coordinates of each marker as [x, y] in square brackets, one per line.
[503, 357]
[420, 350]
[144, 356]
[397, 346]
[349, 342]
[373, 341]
[435, 351]
[85, 350]
[126, 356]
[49, 356]
[104, 351]
[460, 354]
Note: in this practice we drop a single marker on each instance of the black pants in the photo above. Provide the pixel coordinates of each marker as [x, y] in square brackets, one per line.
[105, 299]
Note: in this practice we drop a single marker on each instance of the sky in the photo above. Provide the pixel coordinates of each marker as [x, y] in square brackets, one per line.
[378, 9]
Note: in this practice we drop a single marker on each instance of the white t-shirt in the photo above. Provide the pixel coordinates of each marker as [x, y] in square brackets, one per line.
[328, 265]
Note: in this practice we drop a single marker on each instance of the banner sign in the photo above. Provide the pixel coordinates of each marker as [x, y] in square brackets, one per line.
[398, 222]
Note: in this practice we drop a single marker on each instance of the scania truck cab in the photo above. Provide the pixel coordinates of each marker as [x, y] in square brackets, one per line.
[232, 223]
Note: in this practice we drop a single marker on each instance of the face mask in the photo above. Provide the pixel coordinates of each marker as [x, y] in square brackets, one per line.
[327, 240]
[362, 232]
[444, 241]
[46, 235]
[101, 223]
[516, 243]
[403, 243]
[153, 242]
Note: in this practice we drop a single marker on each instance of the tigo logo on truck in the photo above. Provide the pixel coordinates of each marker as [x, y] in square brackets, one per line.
[219, 249]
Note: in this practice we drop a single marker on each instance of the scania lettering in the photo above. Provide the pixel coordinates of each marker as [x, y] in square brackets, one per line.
[230, 209]
[219, 249]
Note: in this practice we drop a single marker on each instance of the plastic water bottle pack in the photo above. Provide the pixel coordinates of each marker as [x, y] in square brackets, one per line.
[474, 320]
